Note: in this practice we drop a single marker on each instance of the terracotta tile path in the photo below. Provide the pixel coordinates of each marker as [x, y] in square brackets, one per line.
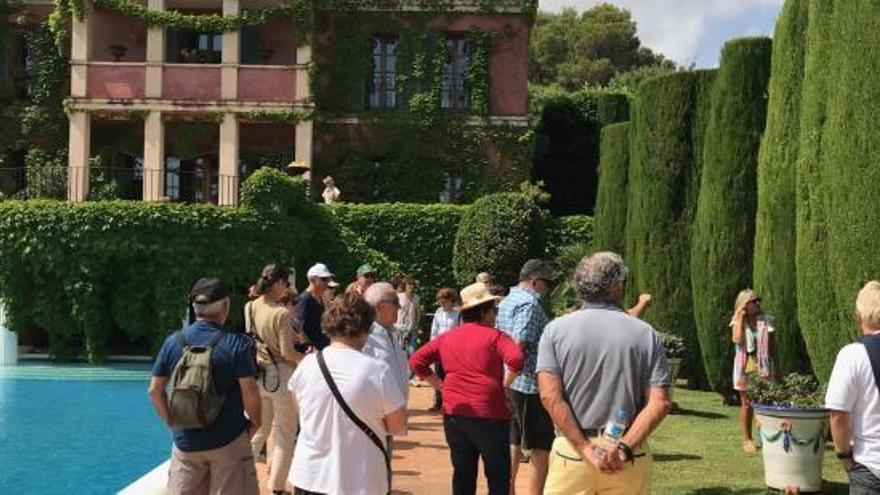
[421, 459]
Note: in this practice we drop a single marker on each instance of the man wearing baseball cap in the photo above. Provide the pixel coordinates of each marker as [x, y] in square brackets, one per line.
[366, 275]
[218, 456]
[311, 304]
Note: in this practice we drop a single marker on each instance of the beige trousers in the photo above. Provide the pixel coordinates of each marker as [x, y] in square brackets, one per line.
[570, 475]
[228, 470]
[279, 418]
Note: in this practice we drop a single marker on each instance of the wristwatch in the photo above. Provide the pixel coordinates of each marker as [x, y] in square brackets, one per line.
[845, 455]
[627, 452]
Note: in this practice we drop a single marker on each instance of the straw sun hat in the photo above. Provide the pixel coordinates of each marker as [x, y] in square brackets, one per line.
[476, 294]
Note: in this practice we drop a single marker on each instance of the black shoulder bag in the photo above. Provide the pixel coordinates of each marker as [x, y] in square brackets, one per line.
[259, 344]
[872, 344]
[353, 417]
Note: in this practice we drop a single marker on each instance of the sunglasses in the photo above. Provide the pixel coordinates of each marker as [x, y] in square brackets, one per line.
[754, 301]
[326, 279]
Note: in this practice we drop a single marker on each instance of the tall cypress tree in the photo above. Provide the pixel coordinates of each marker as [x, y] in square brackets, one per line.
[775, 229]
[724, 227]
[816, 299]
[663, 182]
[609, 223]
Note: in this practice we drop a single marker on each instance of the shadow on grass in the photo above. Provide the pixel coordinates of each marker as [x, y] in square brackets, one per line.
[834, 488]
[698, 414]
[675, 457]
[717, 490]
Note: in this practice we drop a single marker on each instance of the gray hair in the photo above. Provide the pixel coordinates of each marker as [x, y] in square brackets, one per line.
[597, 274]
[210, 310]
[380, 292]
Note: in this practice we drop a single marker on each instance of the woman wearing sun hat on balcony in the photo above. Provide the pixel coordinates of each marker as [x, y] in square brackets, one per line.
[475, 415]
[752, 331]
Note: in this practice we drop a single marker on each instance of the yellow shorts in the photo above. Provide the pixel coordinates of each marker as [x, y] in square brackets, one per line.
[570, 475]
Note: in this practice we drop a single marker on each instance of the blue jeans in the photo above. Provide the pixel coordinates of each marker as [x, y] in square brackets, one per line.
[862, 481]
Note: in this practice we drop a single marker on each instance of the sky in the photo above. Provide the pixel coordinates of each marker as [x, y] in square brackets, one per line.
[689, 31]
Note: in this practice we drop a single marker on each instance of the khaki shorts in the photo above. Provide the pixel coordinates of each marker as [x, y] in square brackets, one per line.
[227, 470]
[570, 475]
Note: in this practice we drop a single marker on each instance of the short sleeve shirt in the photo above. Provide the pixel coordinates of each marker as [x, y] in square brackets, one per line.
[521, 316]
[309, 311]
[332, 455]
[232, 358]
[607, 359]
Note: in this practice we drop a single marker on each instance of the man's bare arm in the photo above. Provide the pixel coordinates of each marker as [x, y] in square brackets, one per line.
[158, 398]
[657, 408]
[250, 397]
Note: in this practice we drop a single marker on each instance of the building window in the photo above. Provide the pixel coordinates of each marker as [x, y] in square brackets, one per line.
[453, 187]
[172, 178]
[382, 85]
[455, 91]
[186, 47]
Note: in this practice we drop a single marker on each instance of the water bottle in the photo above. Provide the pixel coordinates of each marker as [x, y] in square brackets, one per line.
[610, 438]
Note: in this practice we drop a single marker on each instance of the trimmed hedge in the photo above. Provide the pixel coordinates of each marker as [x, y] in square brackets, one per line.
[724, 226]
[611, 198]
[775, 276]
[419, 238]
[815, 293]
[848, 161]
[497, 235]
[567, 231]
[566, 144]
[663, 184]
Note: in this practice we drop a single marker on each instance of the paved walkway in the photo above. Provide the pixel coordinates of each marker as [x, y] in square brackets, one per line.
[421, 459]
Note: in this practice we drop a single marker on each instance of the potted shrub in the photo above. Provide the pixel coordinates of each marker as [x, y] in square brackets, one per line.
[792, 425]
[674, 346]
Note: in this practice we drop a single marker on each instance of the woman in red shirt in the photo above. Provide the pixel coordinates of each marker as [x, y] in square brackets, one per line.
[475, 414]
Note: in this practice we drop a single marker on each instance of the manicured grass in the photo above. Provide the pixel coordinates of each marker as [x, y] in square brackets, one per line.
[698, 450]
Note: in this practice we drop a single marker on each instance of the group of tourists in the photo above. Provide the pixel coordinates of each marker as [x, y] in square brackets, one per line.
[326, 379]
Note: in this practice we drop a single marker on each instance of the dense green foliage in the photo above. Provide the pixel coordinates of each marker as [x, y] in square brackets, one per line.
[663, 186]
[611, 197]
[566, 231]
[723, 237]
[819, 324]
[775, 277]
[794, 390]
[419, 238]
[498, 234]
[847, 163]
[566, 143]
[590, 49]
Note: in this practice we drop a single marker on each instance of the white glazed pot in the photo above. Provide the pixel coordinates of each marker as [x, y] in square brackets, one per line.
[793, 443]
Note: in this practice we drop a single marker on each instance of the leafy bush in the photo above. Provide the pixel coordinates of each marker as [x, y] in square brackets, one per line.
[418, 238]
[795, 390]
[497, 234]
[775, 271]
[724, 226]
[563, 297]
[674, 345]
[567, 231]
[611, 198]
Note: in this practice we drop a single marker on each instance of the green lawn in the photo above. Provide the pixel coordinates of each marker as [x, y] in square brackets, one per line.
[698, 450]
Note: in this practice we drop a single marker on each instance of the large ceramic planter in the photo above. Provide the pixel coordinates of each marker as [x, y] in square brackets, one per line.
[793, 443]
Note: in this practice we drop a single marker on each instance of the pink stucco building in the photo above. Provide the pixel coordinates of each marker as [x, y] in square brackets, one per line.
[155, 78]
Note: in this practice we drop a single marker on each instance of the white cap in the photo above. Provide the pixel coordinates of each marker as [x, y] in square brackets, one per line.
[319, 270]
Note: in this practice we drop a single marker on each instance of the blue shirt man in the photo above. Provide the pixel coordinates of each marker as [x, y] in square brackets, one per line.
[213, 458]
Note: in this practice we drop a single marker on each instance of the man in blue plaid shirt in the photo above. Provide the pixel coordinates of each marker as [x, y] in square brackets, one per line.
[522, 316]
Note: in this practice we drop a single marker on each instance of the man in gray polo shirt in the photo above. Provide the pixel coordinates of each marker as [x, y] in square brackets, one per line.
[592, 363]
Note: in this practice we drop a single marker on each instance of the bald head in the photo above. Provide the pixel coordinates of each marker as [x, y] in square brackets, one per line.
[383, 298]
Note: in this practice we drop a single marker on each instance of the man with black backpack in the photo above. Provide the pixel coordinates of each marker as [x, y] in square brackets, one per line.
[209, 375]
[854, 398]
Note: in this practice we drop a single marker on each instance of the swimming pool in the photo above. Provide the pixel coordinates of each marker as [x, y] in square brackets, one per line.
[76, 429]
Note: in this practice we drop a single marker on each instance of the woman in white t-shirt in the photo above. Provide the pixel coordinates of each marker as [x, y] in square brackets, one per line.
[751, 331]
[332, 455]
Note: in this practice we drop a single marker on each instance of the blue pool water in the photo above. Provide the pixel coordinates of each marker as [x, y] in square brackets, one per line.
[76, 429]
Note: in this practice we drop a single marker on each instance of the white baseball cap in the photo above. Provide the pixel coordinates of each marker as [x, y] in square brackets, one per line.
[319, 270]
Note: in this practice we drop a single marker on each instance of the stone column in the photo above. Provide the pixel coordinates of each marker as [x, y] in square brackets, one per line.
[79, 56]
[303, 151]
[155, 54]
[154, 157]
[227, 185]
[231, 55]
[79, 149]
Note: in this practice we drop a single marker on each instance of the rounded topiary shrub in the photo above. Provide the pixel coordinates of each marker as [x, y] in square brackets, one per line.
[497, 235]
[724, 226]
[611, 199]
[775, 275]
